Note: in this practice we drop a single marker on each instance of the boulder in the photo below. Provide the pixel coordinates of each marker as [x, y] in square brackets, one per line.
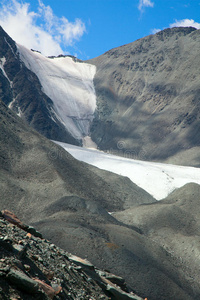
[22, 281]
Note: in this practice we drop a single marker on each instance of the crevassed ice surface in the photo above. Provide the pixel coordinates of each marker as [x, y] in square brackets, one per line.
[69, 85]
[157, 179]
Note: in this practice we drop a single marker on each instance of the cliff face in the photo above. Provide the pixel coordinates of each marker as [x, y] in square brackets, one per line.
[148, 97]
[21, 90]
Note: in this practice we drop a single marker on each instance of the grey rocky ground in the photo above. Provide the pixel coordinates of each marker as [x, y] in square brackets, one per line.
[33, 268]
[69, 204]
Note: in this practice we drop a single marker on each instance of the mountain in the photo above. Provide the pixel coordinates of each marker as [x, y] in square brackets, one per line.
[139, 100]
[148, 98]
[94, 214]
[36, 171]
[68, 202]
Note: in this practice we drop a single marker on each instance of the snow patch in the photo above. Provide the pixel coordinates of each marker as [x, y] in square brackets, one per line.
[157, 179]
[19, 112]
[10, 105]
[69, 84]
[2, 63]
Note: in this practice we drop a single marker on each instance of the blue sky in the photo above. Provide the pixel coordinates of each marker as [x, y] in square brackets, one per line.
[88, 28]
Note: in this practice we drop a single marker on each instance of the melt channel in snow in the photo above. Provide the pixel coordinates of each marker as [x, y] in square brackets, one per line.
[157, 179]
[69, 84]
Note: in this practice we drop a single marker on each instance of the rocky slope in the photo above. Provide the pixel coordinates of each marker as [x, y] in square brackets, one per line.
[148, 97]
[68, 202]
[33, 268]
[174, 225]
[43, 184]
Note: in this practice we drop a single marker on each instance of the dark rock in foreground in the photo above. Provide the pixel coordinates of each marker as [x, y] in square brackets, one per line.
[48, 272]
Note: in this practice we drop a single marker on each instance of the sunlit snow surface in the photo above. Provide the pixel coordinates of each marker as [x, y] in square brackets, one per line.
[69, 85]
[157, 179]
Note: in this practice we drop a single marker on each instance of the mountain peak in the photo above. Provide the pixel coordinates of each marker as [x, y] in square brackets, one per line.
[179, 31]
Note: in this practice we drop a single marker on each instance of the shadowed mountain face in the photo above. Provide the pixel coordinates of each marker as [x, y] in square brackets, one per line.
[148, 100]
[68, 201]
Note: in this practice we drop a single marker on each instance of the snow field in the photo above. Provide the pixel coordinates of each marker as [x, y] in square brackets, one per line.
[157, 179]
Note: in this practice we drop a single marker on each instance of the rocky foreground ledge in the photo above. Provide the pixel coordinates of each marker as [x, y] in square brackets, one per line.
[34, 268]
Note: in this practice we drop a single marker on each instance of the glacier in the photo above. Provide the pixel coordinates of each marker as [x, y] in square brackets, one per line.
[158, 179]
[69, 84]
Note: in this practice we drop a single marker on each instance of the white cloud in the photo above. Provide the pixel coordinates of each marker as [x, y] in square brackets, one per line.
[145, 3]
[47, 13]
[155, 30]
[186, 23]
[72, 31]
[41, 30]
